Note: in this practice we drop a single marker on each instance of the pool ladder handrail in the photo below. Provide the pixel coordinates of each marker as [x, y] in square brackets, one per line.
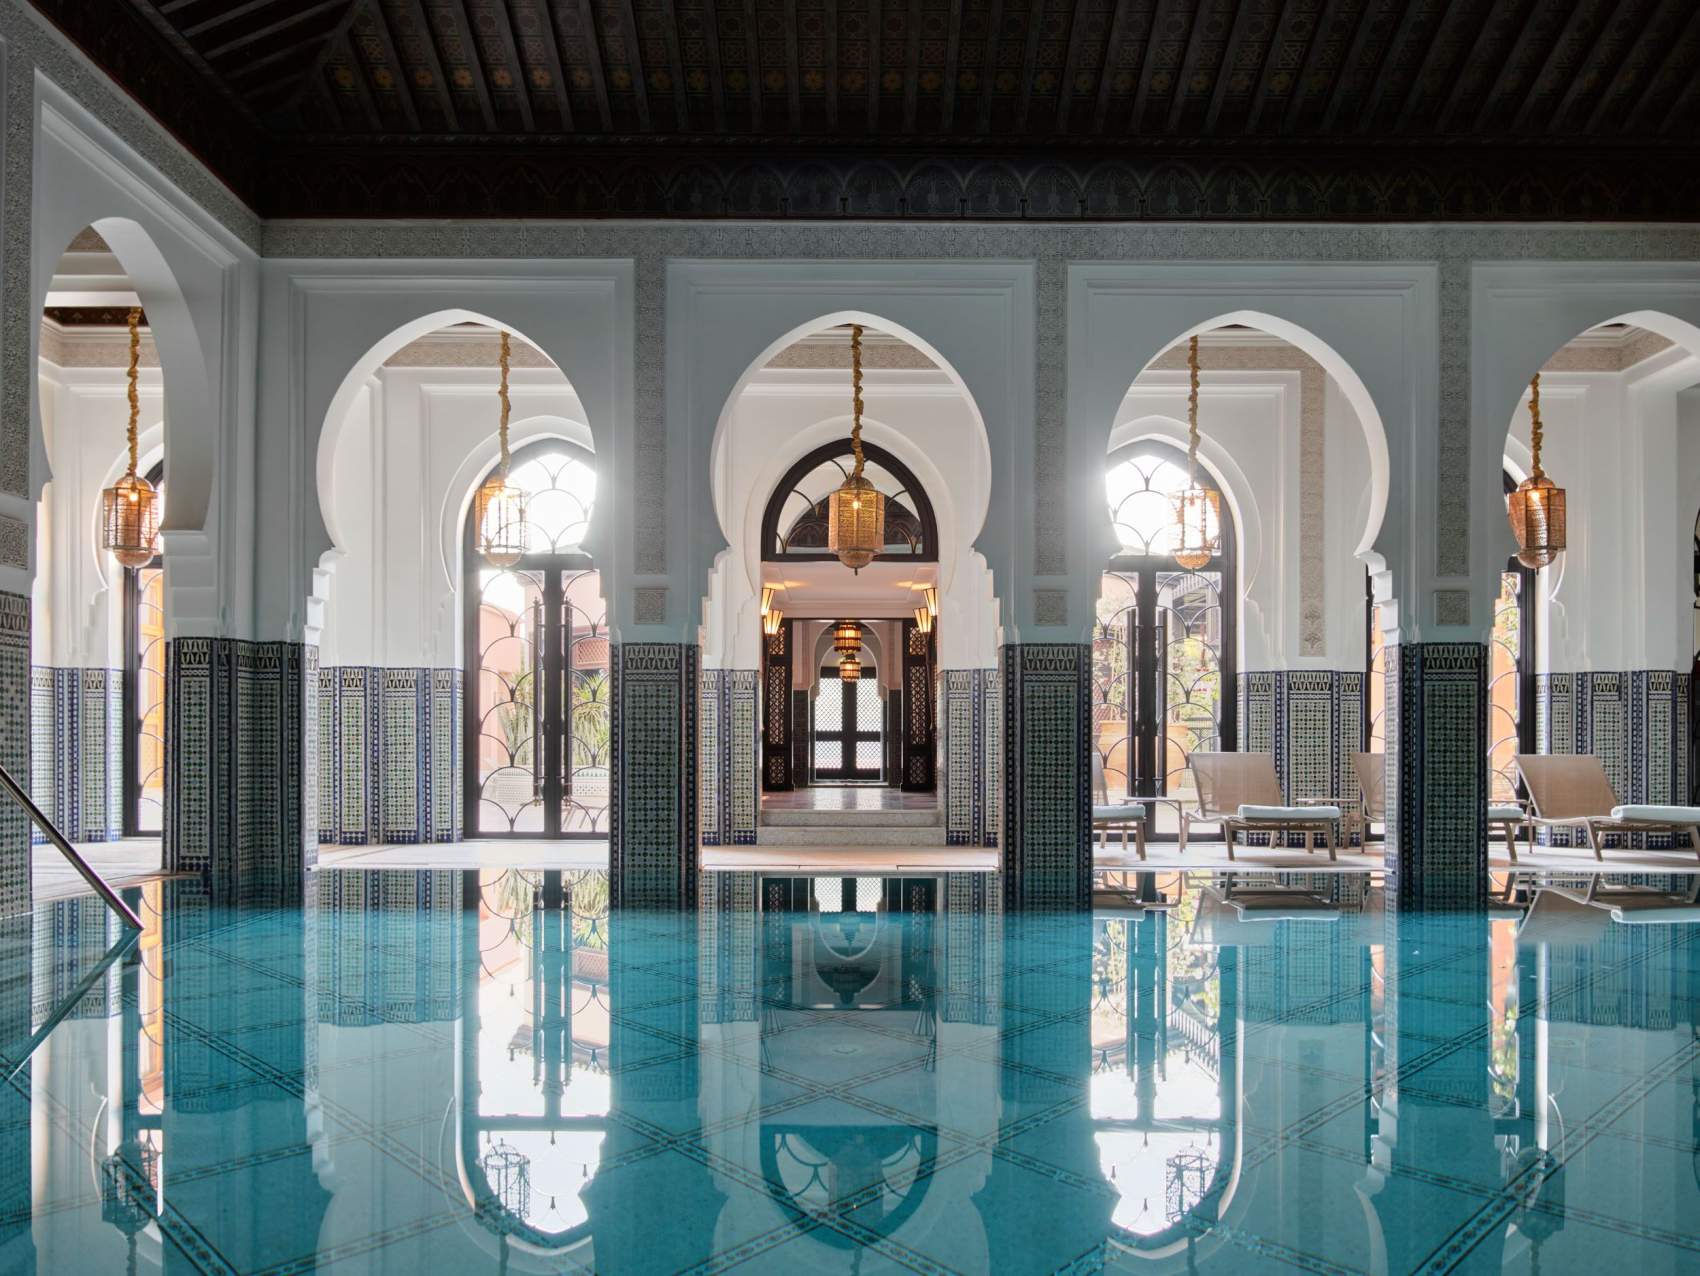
[126, 914]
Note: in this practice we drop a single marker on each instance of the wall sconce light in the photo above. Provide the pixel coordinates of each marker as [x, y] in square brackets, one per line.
[767, 593]
[923, 620]
[771, 621]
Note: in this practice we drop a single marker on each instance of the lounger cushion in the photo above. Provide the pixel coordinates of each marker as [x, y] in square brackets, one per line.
[1499, 814]
[1128, 813]
[1658, 814]
[1290, 814]
[1685, 914]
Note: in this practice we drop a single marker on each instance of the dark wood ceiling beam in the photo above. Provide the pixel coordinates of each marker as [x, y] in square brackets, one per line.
[593, 51]
[1266, 69]
[952, 52]
[321, 93]
[557, 68]
[1613, 63]
[1030, 60]
[1189, 64]
[912, 74]
[1354, 51]
[480, 85]
[675, 66]
[1147, 68]
[362, 90]
[793, 67]
[271, 29]
[510, 46]
[989, 71]
[1682, 108]
[1476, 55]
[1071, 66]
[634, 55]
[1580, 17]
[1107, 72]
[444, 91]
[1307, 69]
[1401, 33]
[752, 57]
[1496, 85]
[1650, 36]
[1690, 31]
[876, 31]
[386, 41]
[1230, 57]
[1475, 18]
[218, 19]
[832, 64]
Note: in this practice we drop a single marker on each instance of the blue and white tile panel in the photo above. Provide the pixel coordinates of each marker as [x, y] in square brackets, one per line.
[652, 852]
[1047, 776]
[77, 751]
[1312, 720]
[389, 755]
[970, 744]
[729, 756]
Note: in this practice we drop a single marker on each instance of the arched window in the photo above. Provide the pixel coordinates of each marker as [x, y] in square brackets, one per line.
[537, 671]
[144, 690]
[1163, 645]
[794, 525]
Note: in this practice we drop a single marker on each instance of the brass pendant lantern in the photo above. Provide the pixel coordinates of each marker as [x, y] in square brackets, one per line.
[1198, 509]
[855, 523]
[1537, 508]
[847, 642]
[498, 510]
[129, 509]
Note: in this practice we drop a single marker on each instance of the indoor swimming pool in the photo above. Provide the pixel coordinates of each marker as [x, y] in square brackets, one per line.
[491, 1071]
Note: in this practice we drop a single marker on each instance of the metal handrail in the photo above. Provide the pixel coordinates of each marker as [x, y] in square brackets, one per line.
[125, 913]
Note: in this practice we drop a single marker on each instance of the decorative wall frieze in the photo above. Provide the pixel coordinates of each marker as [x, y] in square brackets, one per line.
[1607, 352]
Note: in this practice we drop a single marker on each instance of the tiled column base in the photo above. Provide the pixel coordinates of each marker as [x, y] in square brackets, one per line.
[77, 742]
[241, 744]
[969, 746]
[1047, 775]
[15, 754]
[728, 755]
[1636, 723]
[652, 855]
[1437, 780]
[390, 745]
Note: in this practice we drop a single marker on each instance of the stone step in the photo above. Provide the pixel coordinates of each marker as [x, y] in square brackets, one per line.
[926, 817]
[899, 835]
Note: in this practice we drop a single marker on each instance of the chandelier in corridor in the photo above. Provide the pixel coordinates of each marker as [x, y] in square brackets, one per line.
[856, 510]
[847, 642]
[1537, 507]
[1198, 510]
[498, 511]
[129, 516]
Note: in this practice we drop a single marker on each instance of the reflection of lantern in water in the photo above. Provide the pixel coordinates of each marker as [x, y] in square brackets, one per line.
[508, 1172]
[127, 1196]
[1187, 1173]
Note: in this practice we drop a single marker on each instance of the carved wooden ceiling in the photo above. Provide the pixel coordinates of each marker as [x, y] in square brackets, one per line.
[1340, 109]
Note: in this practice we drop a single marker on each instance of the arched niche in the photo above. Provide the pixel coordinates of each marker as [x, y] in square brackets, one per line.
[727, 320]
[447, 513]
[187, 272]
[1371, 329]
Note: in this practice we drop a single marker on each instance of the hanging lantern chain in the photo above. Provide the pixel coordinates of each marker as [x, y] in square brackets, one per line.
[856, 397]
[502, 394]
[135, 364]
[1192, 413]
[1535, 424]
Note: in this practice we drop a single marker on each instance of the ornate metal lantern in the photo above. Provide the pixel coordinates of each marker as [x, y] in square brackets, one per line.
[129, 509]
[847, 642]
[1537, 508]
[498, 510]
[1198, 509]
[855, 522]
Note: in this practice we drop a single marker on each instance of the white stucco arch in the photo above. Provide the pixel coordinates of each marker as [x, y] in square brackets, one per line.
[1373, 329]
[725, 320]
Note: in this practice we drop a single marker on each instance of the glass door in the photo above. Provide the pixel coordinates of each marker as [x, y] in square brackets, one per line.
[849, 728]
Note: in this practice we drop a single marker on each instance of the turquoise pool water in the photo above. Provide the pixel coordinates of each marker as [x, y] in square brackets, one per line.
[487, 1072]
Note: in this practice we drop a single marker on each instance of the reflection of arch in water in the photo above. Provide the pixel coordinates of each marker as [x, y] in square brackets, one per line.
[566, 946]
[1147, 951]
[794, 1156]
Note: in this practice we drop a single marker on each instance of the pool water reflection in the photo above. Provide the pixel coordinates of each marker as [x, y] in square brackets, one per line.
[483, 1072]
